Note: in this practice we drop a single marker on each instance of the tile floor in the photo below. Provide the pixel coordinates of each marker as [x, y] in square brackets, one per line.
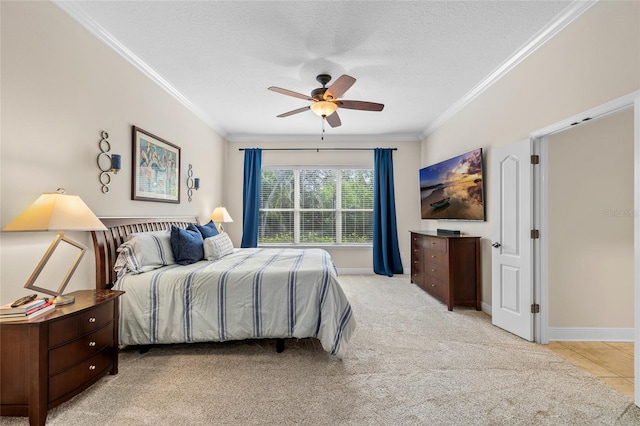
[610, 361]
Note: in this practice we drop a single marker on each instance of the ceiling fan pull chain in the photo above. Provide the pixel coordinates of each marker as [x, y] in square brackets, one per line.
[322, 137]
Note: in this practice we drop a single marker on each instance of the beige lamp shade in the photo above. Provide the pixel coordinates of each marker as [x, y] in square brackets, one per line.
[56, 211]
[220, 215]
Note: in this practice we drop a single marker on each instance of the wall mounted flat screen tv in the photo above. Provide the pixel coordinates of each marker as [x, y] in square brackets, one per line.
[453, 189]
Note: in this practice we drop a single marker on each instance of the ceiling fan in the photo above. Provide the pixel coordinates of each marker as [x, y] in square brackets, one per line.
[325, 100]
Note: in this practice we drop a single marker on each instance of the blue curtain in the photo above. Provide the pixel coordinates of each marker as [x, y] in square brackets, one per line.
[251, 197]
[386, 252]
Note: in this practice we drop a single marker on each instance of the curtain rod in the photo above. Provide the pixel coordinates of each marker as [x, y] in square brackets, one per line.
[318, 149]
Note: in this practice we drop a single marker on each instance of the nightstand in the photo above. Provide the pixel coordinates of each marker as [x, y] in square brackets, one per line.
[50, 359]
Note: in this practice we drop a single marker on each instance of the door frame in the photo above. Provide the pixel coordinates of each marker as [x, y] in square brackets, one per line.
[540, 190]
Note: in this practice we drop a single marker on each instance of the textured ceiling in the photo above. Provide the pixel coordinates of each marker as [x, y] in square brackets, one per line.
[419, 58]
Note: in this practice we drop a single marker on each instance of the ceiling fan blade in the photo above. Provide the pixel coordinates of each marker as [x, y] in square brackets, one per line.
[341, 85]
[361, 105]
[334, 120]
[289, 93]
[295, 111]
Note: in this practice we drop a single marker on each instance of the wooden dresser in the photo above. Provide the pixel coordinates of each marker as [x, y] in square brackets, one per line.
[447, 267]
[49, 359]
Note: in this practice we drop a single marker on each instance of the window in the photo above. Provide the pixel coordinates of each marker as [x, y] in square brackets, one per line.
[316, 206]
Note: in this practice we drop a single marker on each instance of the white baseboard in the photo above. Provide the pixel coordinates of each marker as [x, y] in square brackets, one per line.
[486, 307]
[355, 271]
[591, 334]
[363, 271]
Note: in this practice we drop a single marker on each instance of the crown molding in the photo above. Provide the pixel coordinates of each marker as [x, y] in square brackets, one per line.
[568, 15]
[400, 137]
[78, 14]
[572, 11]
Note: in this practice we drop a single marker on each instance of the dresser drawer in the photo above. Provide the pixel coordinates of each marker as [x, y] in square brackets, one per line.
[435, 243]
[416, 278]
[68, 380]
[74, 326]
[80, 349]
[437, 257]
[438, 288]
[439, 272]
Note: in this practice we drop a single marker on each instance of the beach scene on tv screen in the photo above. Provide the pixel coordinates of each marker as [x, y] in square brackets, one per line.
[453, 189]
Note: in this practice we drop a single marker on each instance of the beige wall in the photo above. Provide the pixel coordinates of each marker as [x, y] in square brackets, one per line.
[405, 159]
[60, 88]
[593, 60]
[590, 234]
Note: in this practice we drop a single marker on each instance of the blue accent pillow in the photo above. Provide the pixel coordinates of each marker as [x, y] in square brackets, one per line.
[208, 230]
[187, 245]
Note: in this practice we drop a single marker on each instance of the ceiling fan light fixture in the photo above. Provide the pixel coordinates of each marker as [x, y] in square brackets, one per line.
[324, 108]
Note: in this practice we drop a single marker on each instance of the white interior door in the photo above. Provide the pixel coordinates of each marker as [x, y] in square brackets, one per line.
[511, 260]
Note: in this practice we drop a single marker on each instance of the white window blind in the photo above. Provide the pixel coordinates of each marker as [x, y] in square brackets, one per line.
[316, 206]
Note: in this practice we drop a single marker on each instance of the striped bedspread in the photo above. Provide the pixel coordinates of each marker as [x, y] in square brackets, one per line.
[252, 293]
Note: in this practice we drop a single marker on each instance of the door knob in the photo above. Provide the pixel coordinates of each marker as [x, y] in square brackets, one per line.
[496, 245]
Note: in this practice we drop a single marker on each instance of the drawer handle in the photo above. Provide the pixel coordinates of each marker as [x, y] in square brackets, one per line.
[92, 344]
[92, 319]
[433, 285]
[433, 270]
[433, 256]
[92, 367]
[433, 243]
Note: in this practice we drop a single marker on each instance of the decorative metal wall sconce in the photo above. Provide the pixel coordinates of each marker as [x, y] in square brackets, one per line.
[114, 162]
[192, 183]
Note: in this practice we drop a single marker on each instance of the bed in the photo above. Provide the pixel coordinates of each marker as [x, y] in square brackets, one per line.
[275, 293]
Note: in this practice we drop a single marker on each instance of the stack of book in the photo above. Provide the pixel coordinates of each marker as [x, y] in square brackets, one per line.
[27, 311]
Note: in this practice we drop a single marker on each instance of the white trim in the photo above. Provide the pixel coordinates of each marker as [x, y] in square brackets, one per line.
[77, 13]
[636, 244]
[328, 138]
[608, 108]
[631, 100]
[541, 220]
[355, 271]
[539, 139]
[568, 15]
[486, 308]
[586, 334]
[367, 271]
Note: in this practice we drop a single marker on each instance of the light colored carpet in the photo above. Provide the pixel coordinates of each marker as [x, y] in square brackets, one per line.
[410, 362]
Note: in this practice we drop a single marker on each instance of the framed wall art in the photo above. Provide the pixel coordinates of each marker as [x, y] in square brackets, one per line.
[156, 168]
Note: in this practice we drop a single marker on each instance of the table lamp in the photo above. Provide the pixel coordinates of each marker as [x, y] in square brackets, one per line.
[56, 211]
[220, 215]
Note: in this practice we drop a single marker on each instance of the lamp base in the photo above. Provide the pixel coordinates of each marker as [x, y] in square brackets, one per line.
[63, 300]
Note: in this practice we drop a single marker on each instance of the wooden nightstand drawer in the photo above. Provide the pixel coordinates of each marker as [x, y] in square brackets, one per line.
[66, 356]
[67, 381]
[51, 358]
[74, 326]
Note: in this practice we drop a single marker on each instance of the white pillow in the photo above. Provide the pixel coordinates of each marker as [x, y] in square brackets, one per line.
[146, 251]
[217, 246]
